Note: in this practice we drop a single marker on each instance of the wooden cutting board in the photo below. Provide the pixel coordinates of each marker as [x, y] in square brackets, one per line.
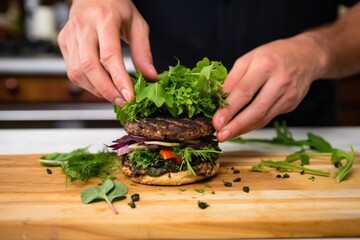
[38, 205]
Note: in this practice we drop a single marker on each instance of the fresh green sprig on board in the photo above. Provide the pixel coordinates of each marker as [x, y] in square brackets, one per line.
[82, 165]
[313, 146]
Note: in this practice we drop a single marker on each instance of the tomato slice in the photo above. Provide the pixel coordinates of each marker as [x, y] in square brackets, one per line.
[168, 153]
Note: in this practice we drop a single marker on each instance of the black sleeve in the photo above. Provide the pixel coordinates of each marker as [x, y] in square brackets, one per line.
[349, 3]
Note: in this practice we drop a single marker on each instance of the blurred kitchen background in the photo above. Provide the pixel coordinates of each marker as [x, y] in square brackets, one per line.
[35, 91]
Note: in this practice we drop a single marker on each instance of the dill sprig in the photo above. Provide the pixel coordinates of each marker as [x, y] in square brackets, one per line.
[82, 165]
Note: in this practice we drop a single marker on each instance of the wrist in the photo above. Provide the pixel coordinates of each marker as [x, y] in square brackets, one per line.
[318, 51]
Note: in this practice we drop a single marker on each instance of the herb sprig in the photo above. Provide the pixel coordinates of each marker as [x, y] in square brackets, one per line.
[82, 165]
[313, 146]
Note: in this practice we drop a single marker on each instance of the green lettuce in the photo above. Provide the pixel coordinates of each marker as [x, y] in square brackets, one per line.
[179, 92]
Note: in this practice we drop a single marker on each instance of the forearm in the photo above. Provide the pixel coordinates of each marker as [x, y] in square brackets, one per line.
[338, 46]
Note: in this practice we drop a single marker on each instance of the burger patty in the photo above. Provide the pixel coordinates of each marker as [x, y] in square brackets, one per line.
[176, 129]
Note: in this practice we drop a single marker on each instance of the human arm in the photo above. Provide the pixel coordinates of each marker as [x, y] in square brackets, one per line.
[91, 47]
[274, 78]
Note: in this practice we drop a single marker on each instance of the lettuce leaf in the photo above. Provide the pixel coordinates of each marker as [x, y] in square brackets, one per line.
[179, 92]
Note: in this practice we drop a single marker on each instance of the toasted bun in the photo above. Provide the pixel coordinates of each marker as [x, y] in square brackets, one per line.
[172, 179]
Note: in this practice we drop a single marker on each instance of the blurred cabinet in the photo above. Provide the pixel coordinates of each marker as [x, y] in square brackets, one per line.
[42, 89]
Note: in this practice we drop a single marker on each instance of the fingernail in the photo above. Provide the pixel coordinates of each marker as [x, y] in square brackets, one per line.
[126, 94]
[225, 134]
[119, 101]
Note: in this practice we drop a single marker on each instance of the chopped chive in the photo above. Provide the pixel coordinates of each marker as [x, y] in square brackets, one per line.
[132, 204]
[246, 189]
[203, 205]
[237, 179]
[135, 197]
[227, 184]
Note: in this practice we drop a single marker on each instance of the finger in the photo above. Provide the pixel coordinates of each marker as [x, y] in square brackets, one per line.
[70, 53]
[140, 49]
[91, 66]
[240, 95]
[112, 58]
[237, 72]
[258, 113]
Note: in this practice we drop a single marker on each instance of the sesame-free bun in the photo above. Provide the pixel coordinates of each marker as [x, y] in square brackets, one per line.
[171, 179]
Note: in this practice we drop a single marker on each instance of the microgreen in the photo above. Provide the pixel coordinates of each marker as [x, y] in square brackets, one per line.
[108, 191]
[180, 92]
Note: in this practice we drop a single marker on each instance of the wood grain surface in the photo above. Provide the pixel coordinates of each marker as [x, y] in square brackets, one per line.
[38, 205]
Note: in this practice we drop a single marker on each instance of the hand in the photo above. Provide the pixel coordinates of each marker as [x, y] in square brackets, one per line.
[91, 47]
[268, 81]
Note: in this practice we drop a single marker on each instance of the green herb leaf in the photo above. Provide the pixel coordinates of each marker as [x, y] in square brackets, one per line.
[285, 166]
[119, 191]
[314, 142]
[82, 165]
[180, 91]
[336, 159]
[108, 191]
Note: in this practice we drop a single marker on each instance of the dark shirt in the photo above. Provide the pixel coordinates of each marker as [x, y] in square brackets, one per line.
[224, 30]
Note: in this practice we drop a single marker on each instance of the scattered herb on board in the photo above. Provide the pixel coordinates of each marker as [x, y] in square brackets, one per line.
[134, 198]
[48, 171]
[132, 204]
[246, 189]
[227, 184]
[238, 179]
[108, 191]
[283, 176]
[314, 143]
[203, 205]
[82, 165]
[199, 190]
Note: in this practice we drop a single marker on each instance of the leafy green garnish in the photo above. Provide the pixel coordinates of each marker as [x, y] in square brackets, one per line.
[285, 166]
[179, 92]
[108, 191]
[314, 143]
[207, 154]
[82, 165]
[336, 158]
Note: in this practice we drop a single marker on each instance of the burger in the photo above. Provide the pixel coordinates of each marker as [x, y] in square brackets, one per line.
[170, 138]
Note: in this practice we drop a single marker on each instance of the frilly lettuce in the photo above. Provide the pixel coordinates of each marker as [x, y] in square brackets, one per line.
[179, 92]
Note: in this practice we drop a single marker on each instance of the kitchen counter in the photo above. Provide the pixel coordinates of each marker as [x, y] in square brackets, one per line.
[32, 141]
[35, 202]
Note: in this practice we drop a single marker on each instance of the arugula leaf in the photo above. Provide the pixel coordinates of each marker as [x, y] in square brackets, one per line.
[108, 191]
[337, 157]
[314, 142]
[285, 166]
[179, 92]
[318, 143]
[155, 93]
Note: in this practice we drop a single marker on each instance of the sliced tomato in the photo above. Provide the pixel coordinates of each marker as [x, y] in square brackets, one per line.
[168, 153]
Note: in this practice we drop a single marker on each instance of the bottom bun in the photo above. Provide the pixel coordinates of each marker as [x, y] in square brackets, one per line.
[171, 179]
